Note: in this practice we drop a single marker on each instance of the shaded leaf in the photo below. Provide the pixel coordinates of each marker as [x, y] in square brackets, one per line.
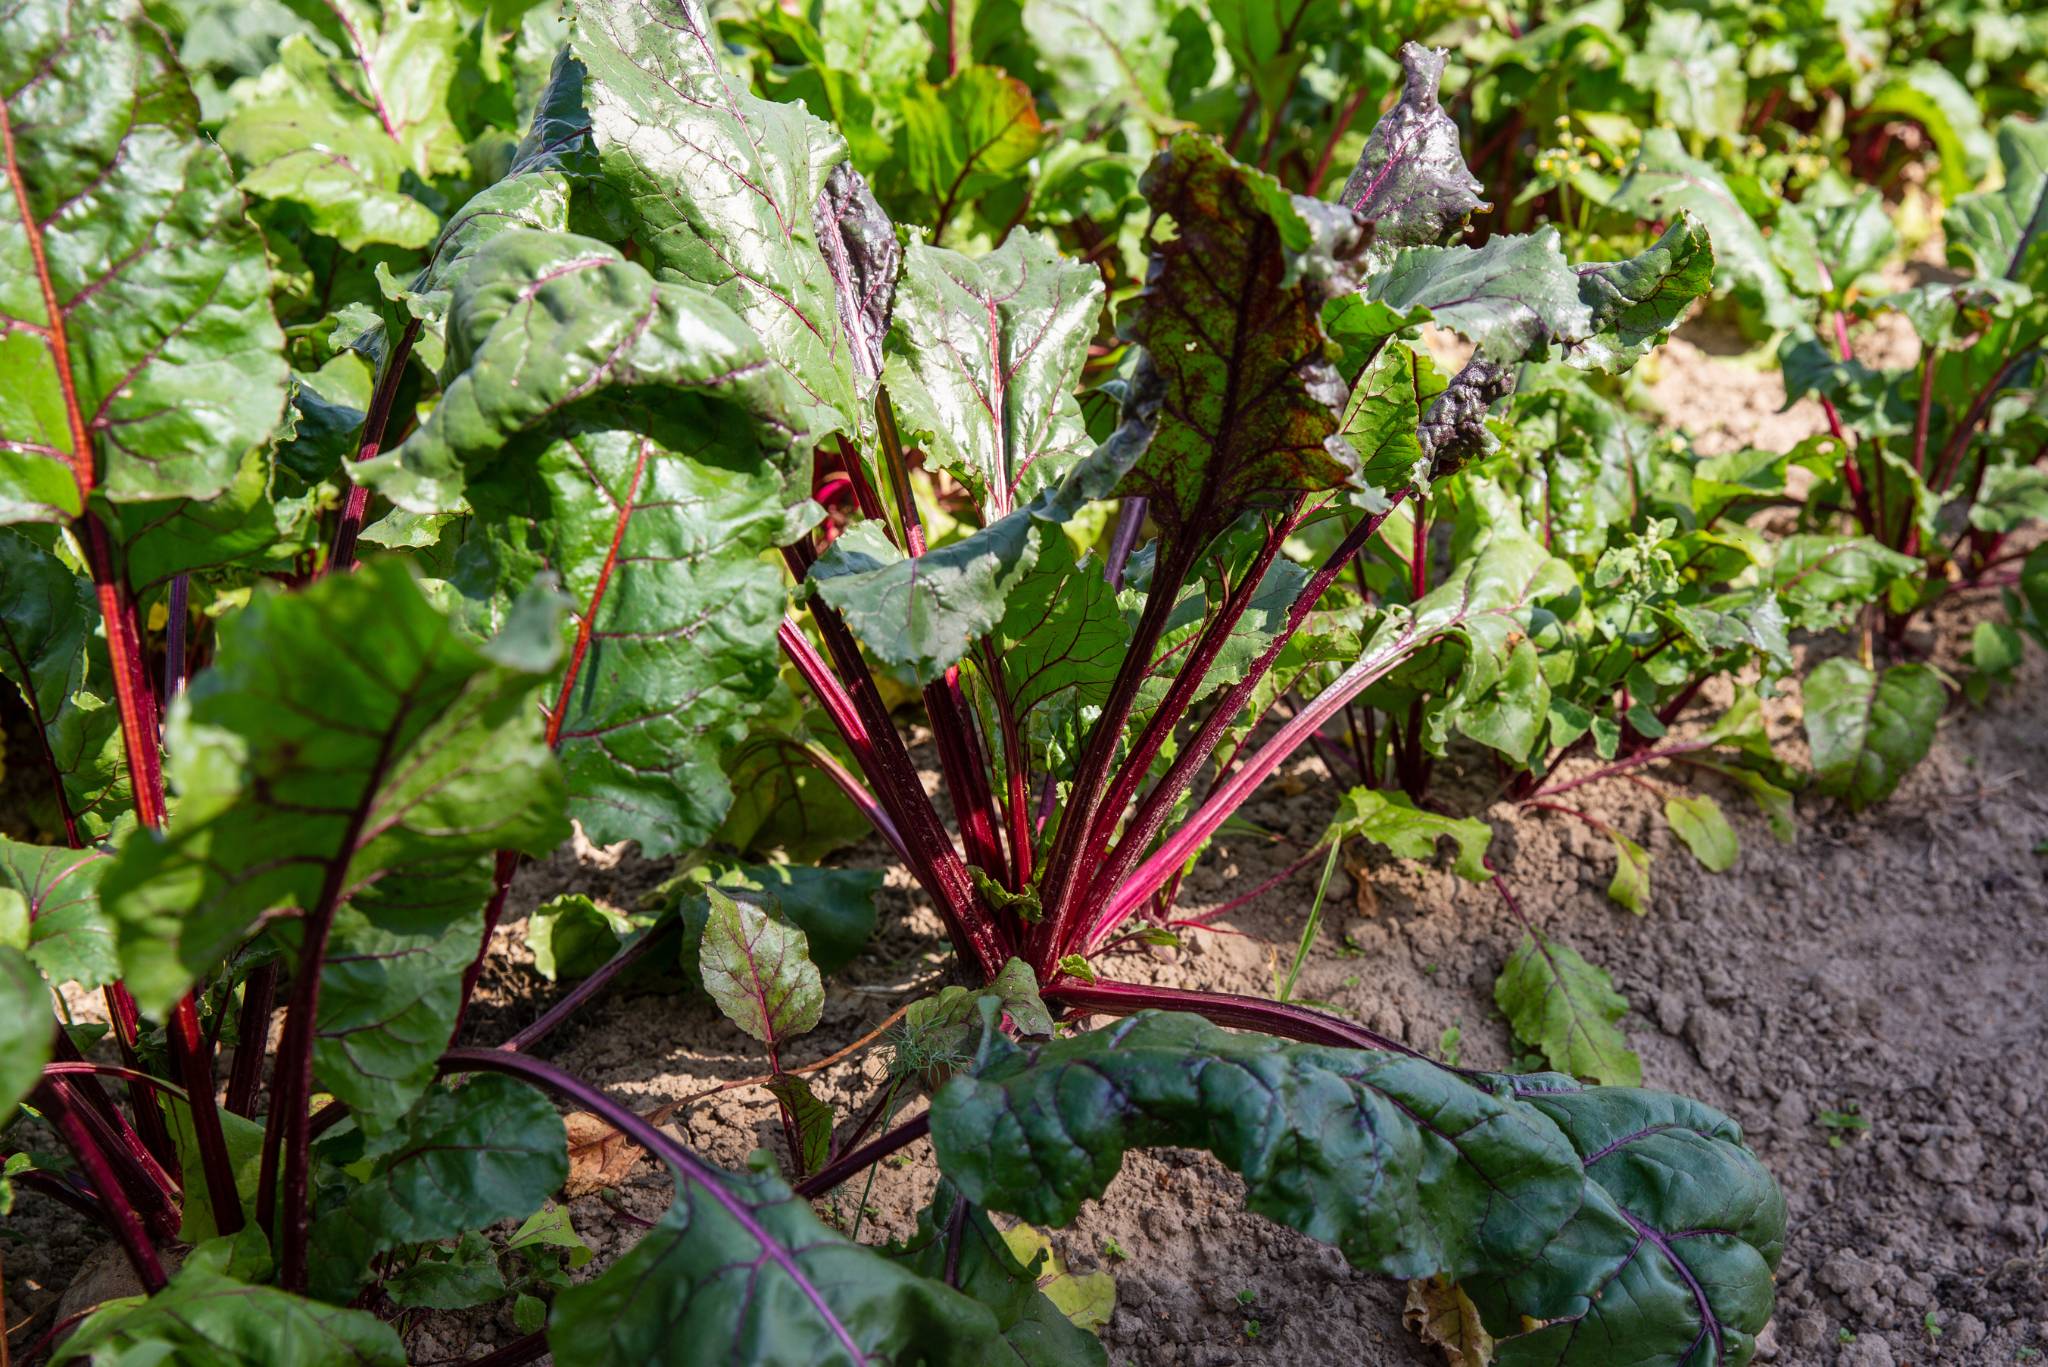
[67, 936]
[739, 1260]
[810, 1118]
[572, 937]
[992, 1269]
[463, 1158]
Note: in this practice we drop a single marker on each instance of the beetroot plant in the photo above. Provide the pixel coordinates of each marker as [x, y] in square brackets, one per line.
[669, 413]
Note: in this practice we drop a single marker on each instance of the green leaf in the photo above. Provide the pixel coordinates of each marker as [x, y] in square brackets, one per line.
[1826, 248]
[1236, 358]
[1823, 580]
[338, 132]
[162, 363]
[1514, 297]
[811, 1118]
[1557, 1002]
[69, 937]
[1699, 822]
[1104, 64]
[444, 1278]
[984, 355]
[966, 136]
[782, 801]
[1404, 1167]
[739, 1261]
[1695, 75]
[244, 1139]
[572, 936]
[991, 1267]
[1932, 96]
[926, 612]
[1630, 885]
[1673, 1248]
[27, 1027]
[350, 755]
[1411, 182]
[541, 322]
[1773, 801]
[463, 1158]
[1664, 181]
[1389, 819]
[739, 195]
[2011, 497]
[759, 971]
[1867, 729]
[206, 1319]
[1634, 304]
[2000, 232]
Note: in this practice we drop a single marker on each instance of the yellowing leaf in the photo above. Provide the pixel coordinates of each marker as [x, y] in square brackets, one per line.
[1086, 1299]
[1440, 1314]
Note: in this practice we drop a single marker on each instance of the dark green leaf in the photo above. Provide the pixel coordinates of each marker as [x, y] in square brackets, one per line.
[1634, 304]
[349, 754]
[463, 1158]
[1035, 1332]
[1671, 1254]
[444, 1278]
[811, 1119]
[739, 1261]
[1405, 1168]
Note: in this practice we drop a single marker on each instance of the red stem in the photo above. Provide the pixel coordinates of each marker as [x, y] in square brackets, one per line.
[343, 555]
[252, 1039]
[589, 987]
[1622, 766]
[1064, 871]
[60, 1105]
[866, 1156]
[1337, 132]
[1153, 812]
[1284, 1019]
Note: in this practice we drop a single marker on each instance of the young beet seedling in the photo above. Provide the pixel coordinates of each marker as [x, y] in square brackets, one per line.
[677, 328]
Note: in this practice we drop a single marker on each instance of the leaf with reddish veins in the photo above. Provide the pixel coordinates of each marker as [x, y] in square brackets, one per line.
[759, 971]
[985, 353]
[727, 191]
[135, 319]
[351, 756]
[1231, 322]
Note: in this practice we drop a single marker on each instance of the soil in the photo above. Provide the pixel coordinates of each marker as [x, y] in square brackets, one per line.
[1889, 967]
